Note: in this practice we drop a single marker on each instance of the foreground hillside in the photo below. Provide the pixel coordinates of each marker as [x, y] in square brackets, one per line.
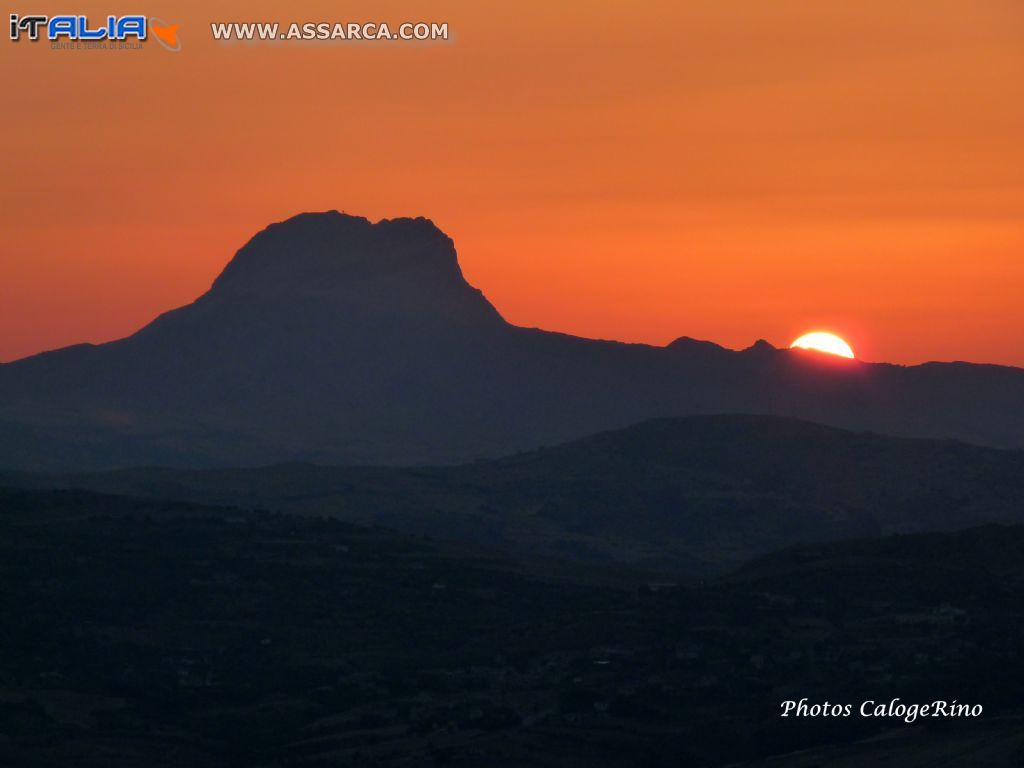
[145, 633]
[995, 743]
[689, 496]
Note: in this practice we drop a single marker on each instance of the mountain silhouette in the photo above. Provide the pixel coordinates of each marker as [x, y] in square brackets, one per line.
[332, 339]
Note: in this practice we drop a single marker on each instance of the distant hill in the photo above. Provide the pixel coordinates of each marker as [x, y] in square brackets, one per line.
[331, 339]
[692, 496]
[144, 633]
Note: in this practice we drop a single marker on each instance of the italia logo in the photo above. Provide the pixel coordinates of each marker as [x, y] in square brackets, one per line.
[80, 28]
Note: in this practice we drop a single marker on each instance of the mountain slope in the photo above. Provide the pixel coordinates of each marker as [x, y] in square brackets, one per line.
[691, 496]
[329, 338]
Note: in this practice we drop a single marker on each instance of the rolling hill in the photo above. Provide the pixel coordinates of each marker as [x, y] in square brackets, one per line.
[691, 496]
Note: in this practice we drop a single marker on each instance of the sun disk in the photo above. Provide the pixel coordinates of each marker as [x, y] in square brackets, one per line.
[823, 342]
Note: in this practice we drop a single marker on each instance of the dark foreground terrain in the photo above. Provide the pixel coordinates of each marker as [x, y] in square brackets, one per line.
[144, 633]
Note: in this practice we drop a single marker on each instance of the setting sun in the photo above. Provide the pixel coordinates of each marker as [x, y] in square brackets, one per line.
[824, 342]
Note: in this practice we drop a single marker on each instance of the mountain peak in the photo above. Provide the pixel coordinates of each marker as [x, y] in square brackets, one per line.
[692, 345]
[330, 251]
[398, 267]
[761, 347]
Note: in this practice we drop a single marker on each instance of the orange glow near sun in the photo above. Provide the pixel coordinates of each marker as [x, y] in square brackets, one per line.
[823, 342]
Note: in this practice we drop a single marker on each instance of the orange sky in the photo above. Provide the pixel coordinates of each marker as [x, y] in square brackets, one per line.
[640, 171]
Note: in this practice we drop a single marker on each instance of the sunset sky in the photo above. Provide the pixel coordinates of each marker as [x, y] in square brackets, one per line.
[727, 170]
